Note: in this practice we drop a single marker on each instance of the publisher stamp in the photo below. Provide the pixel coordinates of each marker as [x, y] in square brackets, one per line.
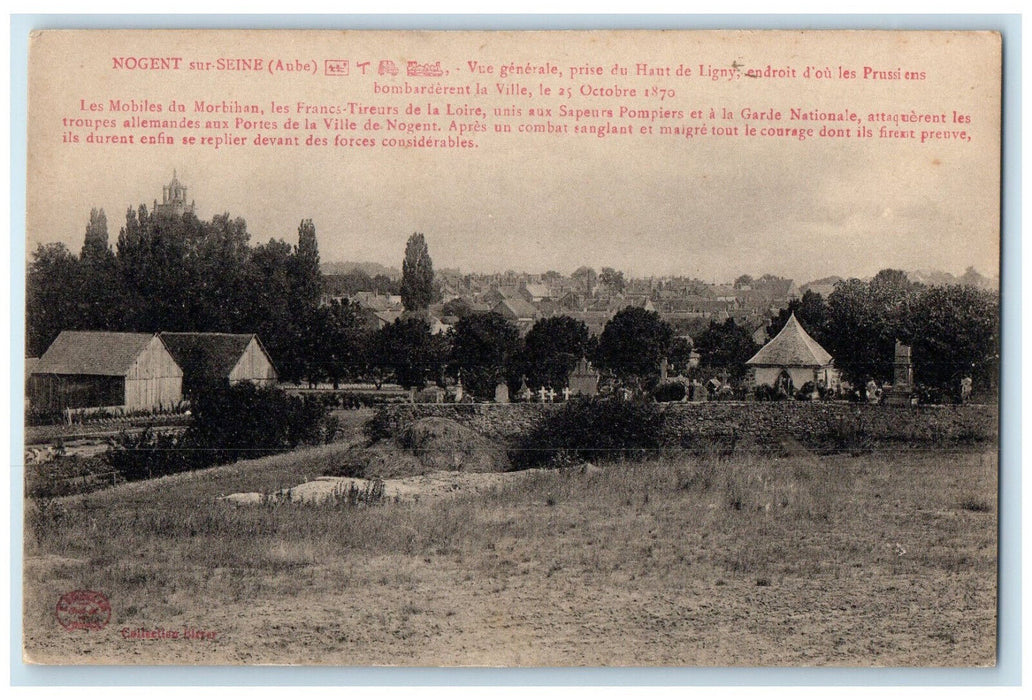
[83, 610]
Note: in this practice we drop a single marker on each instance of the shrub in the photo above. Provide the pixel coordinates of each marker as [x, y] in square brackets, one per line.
[670, 391]
[805, 393]
[250, 421]
[373, 493]
[933, 395]
[65, 475]
[150, 454]
[764, 392]
[590, 430]
[45, 516]
[36, 416]
[381, 426]
[229, 423]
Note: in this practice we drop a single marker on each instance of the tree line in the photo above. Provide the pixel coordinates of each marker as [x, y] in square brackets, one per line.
[178, 273]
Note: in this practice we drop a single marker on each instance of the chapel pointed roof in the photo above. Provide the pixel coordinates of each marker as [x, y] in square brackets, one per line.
[792, 347]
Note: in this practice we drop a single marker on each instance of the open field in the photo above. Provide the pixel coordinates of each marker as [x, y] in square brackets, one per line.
[877, 559]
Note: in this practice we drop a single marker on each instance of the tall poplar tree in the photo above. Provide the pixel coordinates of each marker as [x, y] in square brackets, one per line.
[417, 275]
[308, 281]
[95, 246]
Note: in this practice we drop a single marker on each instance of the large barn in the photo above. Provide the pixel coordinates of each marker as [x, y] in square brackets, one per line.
[89, 369]
[224, 357]
[791, 359]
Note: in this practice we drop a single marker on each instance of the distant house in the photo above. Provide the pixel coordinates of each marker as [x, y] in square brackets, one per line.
[824, 289]
[595, 320]
[386, 318]
[371, 300]
[695, 306]
[479, 307]
[570, 301]
[641, 301]
[547, 308]
[516, 310]
[724, 293]
[503, 292]
[87, 369]
[438, 326]
[536, 292]
[791, 359]
[228, 357]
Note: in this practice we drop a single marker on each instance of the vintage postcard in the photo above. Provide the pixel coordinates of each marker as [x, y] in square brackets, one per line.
[522, 349]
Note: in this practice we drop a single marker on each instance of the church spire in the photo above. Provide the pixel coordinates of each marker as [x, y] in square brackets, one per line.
[173, 199]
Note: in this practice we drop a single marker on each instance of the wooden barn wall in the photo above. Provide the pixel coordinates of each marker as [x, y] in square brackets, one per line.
[154, 381]
[253, 366]
[53, 392]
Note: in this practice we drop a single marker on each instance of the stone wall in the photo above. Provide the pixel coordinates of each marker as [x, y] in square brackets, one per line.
[812, 423]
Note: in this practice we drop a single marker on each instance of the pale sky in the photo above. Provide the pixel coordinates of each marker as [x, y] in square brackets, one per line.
[711, 207]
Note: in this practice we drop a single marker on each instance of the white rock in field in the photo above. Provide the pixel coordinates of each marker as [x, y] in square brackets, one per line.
[243, 499]
[329, 489]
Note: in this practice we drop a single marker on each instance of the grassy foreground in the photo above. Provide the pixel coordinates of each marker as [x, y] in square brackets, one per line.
[881, 559]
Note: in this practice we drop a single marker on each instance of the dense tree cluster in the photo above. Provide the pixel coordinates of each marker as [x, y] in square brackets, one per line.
[634, 343]
[178, 273]
[552, 348]
[726, 347]
[953, 329]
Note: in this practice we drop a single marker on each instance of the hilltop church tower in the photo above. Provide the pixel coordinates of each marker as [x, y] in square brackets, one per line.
[173, 200]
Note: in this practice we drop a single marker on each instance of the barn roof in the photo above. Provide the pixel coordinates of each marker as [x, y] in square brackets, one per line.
[792, 347]
[92, 352]
[207, 354]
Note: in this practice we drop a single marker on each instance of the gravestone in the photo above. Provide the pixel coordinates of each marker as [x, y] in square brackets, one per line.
[902, 377]
[583, 380]
[502, 393]
[524, 393]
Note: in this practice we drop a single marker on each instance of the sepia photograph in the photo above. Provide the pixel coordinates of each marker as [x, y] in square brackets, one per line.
[512, 349]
